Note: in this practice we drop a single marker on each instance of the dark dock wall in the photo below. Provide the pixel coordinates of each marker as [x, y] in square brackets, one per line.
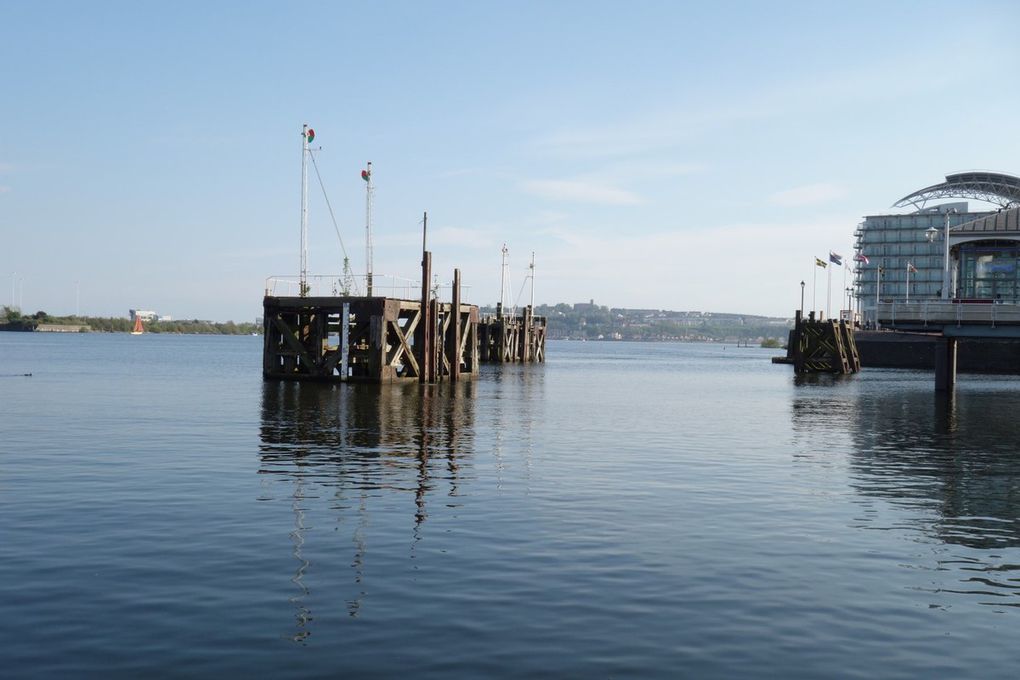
[880, 349]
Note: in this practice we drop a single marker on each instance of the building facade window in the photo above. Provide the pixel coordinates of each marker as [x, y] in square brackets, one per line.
[989, 271]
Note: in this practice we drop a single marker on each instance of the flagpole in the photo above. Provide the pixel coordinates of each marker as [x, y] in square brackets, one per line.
[828, 295]
[303, 286]
[845, 265]
[368, 228]
[853, 292]
[908, 283]
[814, 288]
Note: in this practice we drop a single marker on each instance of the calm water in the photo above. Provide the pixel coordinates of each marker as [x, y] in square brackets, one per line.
[626, 510]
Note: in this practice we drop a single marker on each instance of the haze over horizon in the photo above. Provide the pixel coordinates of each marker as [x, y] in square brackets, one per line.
[658, 156]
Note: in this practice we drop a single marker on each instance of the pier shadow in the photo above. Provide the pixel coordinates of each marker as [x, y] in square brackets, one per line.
[339, 450]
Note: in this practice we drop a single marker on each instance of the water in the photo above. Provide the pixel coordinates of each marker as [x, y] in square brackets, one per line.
[626, 510]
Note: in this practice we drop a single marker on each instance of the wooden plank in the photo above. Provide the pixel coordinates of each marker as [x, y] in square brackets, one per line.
[404, 348]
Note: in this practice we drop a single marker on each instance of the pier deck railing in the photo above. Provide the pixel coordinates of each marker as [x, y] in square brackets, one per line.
[337, 285]
[948, 313]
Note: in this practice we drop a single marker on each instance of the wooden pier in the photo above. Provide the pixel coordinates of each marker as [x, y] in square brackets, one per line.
[383, 339]
[821, 346]
[512, 339]
[362, 339]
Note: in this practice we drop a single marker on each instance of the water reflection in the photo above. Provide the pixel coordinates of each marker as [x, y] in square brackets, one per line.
[362, 443]
[516, 388]
[949, 464]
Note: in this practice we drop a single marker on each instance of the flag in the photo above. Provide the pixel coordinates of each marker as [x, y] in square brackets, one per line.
[835, 259]
[911, 268]
[310, 135]
[365, 175]
[860, 257]
[821, 263]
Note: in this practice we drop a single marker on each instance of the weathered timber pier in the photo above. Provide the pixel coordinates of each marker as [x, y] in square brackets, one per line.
[362, 339]
[516, 338]
[383, 339]
[821, 346]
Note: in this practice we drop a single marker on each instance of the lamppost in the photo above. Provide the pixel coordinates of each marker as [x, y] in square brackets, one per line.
[850, 302]
[802, 299]
[930, 233]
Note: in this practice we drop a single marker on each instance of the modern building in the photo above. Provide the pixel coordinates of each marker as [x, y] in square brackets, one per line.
[983, 247]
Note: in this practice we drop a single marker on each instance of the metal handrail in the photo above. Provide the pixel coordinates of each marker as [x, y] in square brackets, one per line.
[957, 312]
[333, 285]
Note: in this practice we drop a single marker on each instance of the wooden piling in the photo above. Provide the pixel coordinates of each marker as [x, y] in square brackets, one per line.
[427, 332]
[453, 347]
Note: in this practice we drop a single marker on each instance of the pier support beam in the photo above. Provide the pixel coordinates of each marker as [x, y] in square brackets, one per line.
[427, 331]
[453, 346]
[945, 364]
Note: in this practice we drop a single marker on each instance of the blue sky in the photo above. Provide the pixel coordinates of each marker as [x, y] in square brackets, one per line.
[652, 154]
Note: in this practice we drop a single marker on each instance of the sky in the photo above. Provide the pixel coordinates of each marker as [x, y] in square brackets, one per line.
[669, 155]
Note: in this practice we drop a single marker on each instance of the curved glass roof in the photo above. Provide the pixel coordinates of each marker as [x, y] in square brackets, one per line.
[993, 187]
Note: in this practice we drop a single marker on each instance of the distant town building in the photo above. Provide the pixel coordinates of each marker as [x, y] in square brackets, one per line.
[143, 314]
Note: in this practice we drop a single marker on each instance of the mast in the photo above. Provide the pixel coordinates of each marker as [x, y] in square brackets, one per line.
[306, 132]
[367, 176]
[532, 279]
[502, 283]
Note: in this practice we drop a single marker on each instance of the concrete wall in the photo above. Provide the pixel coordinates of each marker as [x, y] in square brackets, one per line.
[880, 349]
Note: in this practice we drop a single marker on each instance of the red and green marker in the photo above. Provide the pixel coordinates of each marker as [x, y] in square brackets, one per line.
[310, 135]
[365, 175]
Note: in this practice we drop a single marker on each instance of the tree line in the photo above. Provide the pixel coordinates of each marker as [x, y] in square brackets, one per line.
[14, 320]
[597, 322]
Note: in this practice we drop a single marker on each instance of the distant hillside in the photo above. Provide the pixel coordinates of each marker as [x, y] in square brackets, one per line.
[588, 321]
